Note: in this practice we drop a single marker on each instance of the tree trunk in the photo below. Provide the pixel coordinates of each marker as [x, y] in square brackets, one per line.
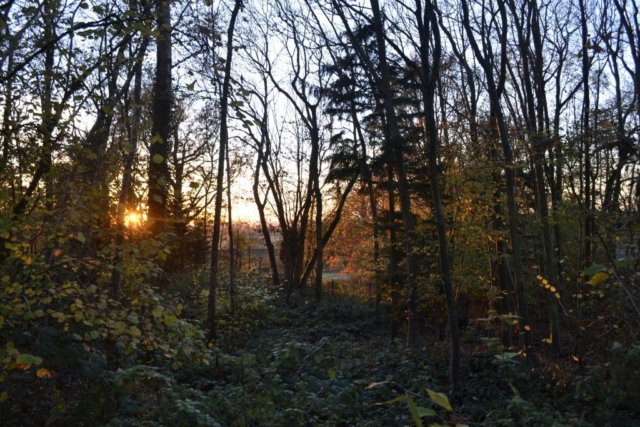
[428, 26]
[159, 147]
[224, 143]
[116, 275]
[232, 267]
[495, 90]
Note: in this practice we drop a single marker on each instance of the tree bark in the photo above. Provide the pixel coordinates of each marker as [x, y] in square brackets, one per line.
[429, 32]
[224, 143]
[159, 148]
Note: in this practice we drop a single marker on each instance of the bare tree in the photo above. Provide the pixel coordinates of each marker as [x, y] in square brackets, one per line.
[224, 143]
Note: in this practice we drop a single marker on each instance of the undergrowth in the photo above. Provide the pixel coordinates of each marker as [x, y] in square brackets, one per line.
[297, 364]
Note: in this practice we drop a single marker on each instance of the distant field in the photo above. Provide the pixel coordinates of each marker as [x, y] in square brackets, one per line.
[335, 276]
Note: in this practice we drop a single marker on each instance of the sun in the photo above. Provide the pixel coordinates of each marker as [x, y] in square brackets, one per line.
[132, 219]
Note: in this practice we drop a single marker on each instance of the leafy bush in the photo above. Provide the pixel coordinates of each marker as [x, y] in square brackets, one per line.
[610, 392]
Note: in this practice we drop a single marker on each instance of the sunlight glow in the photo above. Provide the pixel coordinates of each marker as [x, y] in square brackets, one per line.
[132, 219]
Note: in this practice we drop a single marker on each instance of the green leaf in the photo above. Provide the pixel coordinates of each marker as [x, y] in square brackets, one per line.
[26, 359]
[157, 158]
[194, 185]
[56, 411]
[593, 270]
[191, 86]
[4, 396]
[170, 319]
[426, 412]
[157, 312]
[624, 262]
[414, 411]
[119, 326]
[80, 237]
[132, 319]
[440, 399]
[505, 356]
[332, 373]
[157, 198]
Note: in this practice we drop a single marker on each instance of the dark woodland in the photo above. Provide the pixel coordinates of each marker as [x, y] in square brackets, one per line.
[320, 213]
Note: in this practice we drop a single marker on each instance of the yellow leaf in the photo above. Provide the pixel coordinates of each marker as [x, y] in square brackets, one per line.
[527, 328]
[134, 331]
[157, 312]
[169, 319]
[157, 158]
[440, 399]
[118, 326]
[598, 278]
[4, 396]
[43, 373]
[414, 411]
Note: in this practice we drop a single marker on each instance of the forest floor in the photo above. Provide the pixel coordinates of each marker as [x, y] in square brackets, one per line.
[332, 364]
[303, 363]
